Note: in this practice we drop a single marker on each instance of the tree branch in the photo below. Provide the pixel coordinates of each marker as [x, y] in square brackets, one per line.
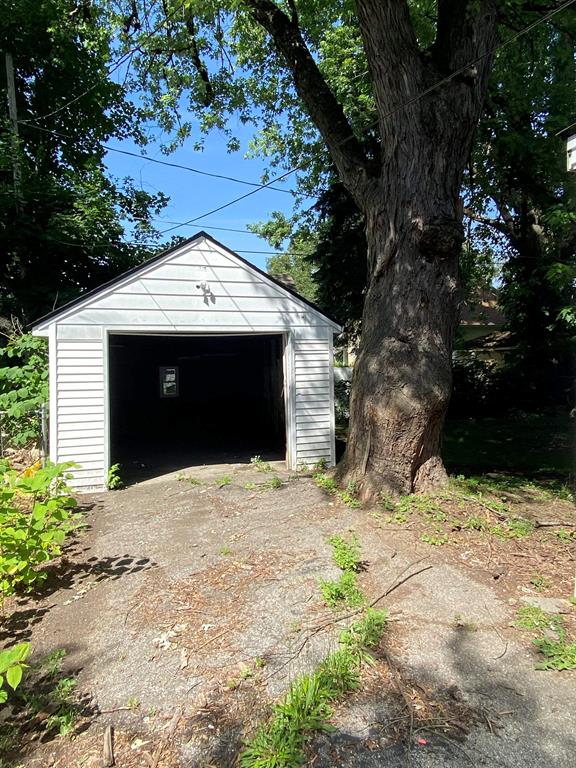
[323, 107]
[197, 61]
[392, 52]
[494, 223]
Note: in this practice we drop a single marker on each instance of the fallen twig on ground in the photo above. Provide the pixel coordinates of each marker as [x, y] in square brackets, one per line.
[154, 759]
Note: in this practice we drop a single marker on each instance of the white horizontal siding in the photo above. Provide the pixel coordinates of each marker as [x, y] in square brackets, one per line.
[313, 400]
[201, 286]
[192, 319]
[80, 410]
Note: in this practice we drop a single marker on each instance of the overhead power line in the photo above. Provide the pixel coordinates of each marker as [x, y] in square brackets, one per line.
[399, 108]
[302, 166]
[180, 166]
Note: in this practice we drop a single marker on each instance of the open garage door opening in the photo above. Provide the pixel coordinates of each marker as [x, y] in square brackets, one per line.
[179, 401]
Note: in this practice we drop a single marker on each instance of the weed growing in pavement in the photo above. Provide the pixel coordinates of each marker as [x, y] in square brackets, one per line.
[564, 535]
[325, 482]
[47, 691]
[226, 551]
[224, 480]
[349, 496]
[464, 624]
[321, 465]
[189, 479]
[540, 582]
[274, 483]
[346, 554]
[344, 591]
[551, 638]
[558, 654]
[307, 706]
[114, 481]
[249, 486]
[435, 540]
[260, 464]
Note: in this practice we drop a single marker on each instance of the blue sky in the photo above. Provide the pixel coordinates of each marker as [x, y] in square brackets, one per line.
[191, 194]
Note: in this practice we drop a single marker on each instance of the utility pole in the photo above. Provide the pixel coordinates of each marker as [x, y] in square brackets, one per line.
[13, 114]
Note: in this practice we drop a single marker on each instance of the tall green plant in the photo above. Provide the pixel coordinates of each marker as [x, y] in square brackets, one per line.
[36, 516]
[23, 388]
[11, 667]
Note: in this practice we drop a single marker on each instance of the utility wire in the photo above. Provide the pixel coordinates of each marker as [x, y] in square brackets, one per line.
[399, 108]
[154, 160]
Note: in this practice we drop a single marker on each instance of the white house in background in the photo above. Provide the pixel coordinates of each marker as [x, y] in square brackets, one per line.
[569, 136]
[192, 357]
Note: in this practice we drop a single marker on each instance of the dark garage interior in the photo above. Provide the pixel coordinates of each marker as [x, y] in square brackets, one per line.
[178, 401]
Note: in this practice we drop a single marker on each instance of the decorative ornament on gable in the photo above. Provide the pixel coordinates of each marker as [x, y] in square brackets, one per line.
[569, 136]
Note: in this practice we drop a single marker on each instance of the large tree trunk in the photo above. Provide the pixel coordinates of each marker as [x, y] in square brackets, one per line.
[428, 104]
[402, 377]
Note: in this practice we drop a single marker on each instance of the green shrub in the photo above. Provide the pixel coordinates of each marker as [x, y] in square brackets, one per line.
[11, 667]
[36, 515]
[23, 388]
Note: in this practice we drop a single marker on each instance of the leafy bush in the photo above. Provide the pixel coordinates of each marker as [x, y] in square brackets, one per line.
[36, 515]
[23, 388]
[11, 667]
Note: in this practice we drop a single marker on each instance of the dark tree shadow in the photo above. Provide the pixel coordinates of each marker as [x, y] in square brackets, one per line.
[65, 575]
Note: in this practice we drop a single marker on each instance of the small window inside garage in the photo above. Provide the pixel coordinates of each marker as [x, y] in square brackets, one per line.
[176, 401]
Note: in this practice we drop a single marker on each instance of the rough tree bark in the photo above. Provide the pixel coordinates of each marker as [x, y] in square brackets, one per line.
[410, 198]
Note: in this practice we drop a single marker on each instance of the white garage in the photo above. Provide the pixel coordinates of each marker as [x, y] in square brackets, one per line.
[195, 356]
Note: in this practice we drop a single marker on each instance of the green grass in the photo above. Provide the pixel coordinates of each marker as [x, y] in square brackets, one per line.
[557, 652]
[308, 705]
[530, 445]
[224, 480]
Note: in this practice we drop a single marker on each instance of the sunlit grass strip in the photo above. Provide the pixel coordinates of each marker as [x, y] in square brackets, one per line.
[307, 706]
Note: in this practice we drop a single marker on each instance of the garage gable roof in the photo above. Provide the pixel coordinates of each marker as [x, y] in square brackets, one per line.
[76, 304]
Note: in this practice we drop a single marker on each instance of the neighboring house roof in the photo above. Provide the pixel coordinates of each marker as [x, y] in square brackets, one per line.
[483, 311]
[567, 132]
[497, 340]
[146, 265]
